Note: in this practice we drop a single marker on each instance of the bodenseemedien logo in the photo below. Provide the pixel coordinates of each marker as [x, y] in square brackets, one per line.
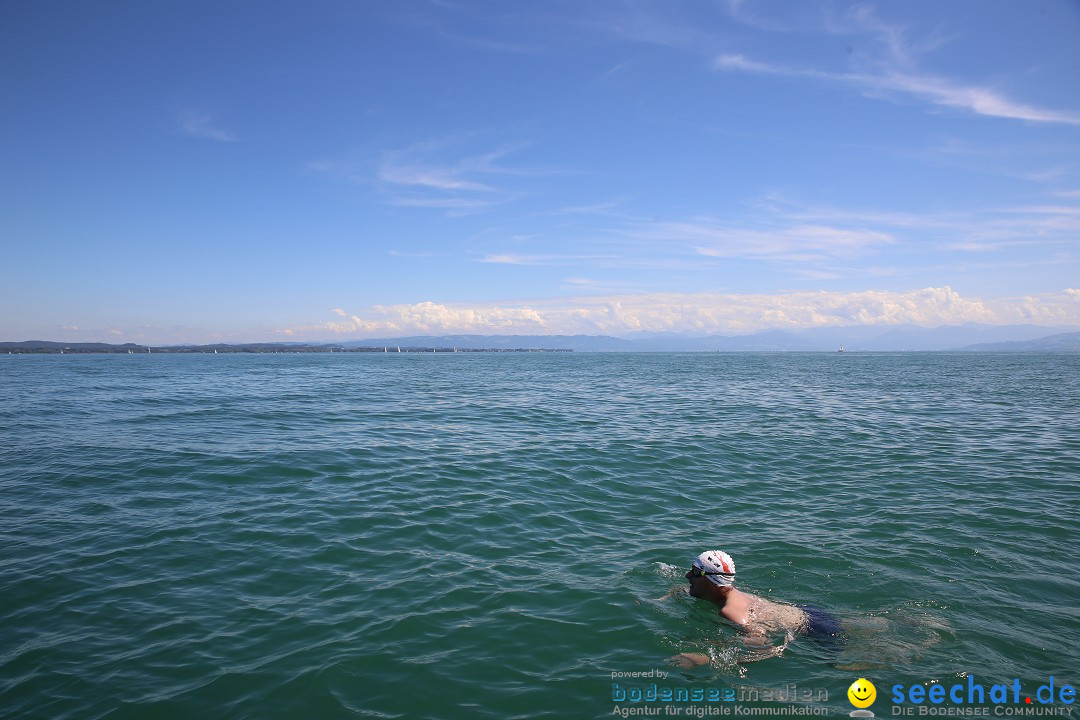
[861, 694]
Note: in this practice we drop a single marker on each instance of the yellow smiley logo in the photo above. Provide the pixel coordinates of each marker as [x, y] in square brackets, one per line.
[862, 693]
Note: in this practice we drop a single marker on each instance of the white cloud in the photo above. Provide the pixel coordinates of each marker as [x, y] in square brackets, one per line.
[201, 125]
[429, 317]
[703, 312]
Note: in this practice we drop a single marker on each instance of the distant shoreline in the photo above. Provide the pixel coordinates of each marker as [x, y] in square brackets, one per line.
[39, 347]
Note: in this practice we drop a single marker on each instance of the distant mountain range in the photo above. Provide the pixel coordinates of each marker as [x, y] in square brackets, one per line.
[1063, 342]
[971, 337]
[865, 338]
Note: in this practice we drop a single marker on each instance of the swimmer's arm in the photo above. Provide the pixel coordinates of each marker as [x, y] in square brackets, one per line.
[688, 660]
[753, 637]
[761, 648]
[741, 621]
[758, 649]
[678, 590]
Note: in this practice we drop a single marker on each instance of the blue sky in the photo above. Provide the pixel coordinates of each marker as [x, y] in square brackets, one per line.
[242, 171]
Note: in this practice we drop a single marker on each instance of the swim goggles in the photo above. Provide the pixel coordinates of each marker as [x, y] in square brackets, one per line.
[695, 571]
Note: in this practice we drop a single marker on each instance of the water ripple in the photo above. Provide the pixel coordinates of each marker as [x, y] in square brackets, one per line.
[486, 535]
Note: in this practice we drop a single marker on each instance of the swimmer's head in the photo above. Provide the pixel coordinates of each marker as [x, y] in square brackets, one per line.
[716, 566]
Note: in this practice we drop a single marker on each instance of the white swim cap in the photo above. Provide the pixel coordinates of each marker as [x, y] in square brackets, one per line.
[717, 566]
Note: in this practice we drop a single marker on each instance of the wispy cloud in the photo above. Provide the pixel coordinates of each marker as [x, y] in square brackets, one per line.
[582, 282]
[604, 208]
[887, 67]
[499, 46]
[805, 240]
[459, 204]
[798, 243]
[740, 63]
[606, 286]
[890, 40]
[781, 206]
[979, 100]
[430, 178]
[487, 30]
[423, 175]
[1043, 176]
[441, 174]
[975, 229]
[1032, 160]
[703, 312]
[414, 255]
[935, 90]
[772, 238]
[201, 125]
[518, 259]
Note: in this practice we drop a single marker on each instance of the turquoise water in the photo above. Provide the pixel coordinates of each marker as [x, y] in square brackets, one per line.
[485, 535]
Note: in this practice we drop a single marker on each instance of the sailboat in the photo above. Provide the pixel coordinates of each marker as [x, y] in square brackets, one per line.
[841, 349]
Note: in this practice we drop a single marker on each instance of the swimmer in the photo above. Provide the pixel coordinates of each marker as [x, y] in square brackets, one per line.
[712, 578]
